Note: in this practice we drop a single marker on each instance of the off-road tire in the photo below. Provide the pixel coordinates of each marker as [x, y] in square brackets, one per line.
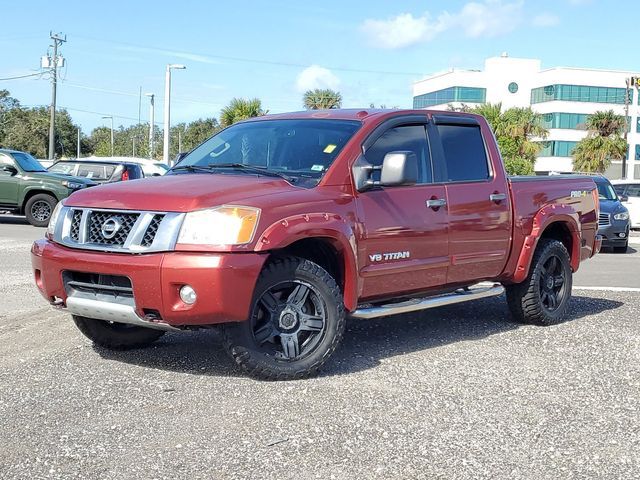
[525, 299]
[116, 336]
[39, 199]
[621, 249]
[239, 338]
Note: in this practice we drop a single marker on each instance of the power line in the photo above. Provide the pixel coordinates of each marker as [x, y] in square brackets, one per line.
[255, 60]
[22, 76]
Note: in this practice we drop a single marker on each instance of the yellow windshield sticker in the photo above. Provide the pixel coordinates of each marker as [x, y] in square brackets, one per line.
[329, 148]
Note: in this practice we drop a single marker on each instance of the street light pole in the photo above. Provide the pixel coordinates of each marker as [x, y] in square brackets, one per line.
[151, 123]
[110, 117]
[167, 108]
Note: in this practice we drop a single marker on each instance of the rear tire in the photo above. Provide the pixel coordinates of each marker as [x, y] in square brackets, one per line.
[543, 297]
[39, 208]
[116, 336]
[297, 321]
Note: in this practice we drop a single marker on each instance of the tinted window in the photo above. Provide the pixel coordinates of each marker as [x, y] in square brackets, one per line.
[96, 172]
[633, 190]
[28, 163]
[405, 138]
[619, 189]
[464, 153]
[605, 191]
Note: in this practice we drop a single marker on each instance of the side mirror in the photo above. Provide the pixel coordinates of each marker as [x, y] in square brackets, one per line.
[10, 169]
[399, 168]
[623, 198]
[179, 157]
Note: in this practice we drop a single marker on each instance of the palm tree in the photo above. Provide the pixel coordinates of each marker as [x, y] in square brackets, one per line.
[525, 124]
[322, 99]
[603, 143]
[241, 109]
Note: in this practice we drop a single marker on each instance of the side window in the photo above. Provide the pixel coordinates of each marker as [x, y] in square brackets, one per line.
[411, 138]
[6, 160]
[633, 190]
[619, 189]
[464, 153]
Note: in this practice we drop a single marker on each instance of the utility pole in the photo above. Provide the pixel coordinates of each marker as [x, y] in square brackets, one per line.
[151, 123]
[78, 151]
[628, 82]
[58, 39]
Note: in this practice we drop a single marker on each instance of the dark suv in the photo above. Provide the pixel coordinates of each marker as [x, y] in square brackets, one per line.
[613, 223]
[99, 171]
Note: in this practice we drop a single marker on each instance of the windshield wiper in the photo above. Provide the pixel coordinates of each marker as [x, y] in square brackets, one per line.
[253, 169]
[192, 168]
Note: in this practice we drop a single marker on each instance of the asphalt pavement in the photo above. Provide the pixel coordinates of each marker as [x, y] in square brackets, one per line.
[457, 392]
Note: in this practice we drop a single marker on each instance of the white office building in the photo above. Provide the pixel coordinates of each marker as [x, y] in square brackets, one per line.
[565, 97]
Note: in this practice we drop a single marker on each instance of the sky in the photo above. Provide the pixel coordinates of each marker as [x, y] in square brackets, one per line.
[370, 51]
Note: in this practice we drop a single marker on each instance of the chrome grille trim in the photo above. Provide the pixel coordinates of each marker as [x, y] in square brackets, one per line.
[151, 232]
[604, 219]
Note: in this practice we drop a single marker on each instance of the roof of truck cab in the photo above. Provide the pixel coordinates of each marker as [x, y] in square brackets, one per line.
[358, 114]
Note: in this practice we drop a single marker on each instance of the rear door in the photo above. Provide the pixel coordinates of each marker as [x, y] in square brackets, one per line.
[8, 183]
[477, 198]
[404, 243]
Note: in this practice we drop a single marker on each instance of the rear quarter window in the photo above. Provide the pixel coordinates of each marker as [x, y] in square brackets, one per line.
[464, 152]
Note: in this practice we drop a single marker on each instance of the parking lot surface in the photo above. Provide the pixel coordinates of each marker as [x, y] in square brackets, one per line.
[457, 392]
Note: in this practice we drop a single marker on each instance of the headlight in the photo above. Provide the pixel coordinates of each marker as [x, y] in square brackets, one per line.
[53, 220]
[621, 216]
[225, 225]
[73, 185]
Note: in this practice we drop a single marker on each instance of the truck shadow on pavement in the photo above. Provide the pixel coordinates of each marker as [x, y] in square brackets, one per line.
[365, 344]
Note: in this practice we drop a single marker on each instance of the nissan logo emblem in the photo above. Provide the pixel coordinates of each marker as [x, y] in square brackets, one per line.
[110, 227]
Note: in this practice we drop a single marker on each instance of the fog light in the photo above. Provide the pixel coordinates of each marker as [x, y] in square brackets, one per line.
[622, 235]
[188, 294]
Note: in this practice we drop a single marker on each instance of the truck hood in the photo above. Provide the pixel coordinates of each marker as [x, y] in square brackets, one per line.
[179, 193]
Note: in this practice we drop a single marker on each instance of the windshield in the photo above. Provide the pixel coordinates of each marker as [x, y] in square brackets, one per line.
[606, 192]
[27, 162]
[302, 149]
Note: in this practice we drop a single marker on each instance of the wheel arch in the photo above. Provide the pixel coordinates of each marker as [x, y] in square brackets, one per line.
[32, 192]
[325, 239]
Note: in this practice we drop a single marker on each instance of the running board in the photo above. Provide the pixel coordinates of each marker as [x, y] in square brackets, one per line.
[416, 304]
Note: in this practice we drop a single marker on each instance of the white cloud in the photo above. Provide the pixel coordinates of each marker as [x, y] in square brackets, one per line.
[488, 18]
[545, 19]
[316, 76]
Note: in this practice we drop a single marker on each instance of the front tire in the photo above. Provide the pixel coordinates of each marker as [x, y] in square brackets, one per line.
[297, 321]
[543, 297]
[116, 336]
[39, 208]
[621, 249]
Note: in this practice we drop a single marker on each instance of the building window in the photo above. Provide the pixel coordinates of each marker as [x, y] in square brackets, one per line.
[580, 93]
[637, 152]
[572, 121]
[557, 148]
[513, 87]
[449, 95]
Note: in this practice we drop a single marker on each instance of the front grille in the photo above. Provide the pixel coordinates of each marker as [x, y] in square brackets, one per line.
[152, 229]
[96, 286]
[123, 231]
[75, 225]
[122, 221]
[604, 220]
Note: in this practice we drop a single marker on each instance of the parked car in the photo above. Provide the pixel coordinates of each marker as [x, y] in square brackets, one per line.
[26, 188]
[151, 168]
[280, 227]
[99, 171]
[613, 221]
[629, 193]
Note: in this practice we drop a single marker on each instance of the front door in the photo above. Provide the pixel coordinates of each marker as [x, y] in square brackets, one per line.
[404, 243]
[8, 183]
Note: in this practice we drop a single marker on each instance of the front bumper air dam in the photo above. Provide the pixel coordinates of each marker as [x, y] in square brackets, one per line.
[223, 282]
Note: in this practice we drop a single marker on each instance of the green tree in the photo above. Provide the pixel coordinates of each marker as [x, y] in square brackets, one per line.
[190, 135]
[604, 142]
[322, 99]
[515, 130]
[240, 109]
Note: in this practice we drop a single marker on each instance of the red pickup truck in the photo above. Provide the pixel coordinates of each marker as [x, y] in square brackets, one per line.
[281, 227]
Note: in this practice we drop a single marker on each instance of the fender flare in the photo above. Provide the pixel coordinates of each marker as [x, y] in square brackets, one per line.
[326, 226]
[546, 217]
